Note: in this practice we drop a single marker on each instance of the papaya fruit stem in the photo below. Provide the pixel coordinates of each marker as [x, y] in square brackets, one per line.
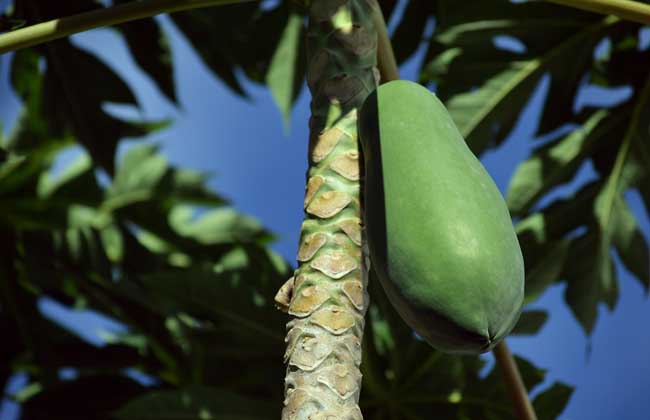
[625, 9]
[513, 381]
[108, 16]
[386, 62]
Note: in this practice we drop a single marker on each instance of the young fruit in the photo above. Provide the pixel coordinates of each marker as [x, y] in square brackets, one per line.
[439, 233]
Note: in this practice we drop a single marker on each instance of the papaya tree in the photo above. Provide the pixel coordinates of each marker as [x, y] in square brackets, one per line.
[192, 281]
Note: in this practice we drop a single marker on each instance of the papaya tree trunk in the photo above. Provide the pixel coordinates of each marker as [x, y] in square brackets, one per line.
[327, 296]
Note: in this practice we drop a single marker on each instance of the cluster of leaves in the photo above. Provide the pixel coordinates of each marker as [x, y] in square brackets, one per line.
[188, 277]
[149, 245]
[193, 292]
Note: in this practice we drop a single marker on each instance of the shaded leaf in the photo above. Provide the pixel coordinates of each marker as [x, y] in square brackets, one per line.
[101, 394]
[631, 245]
[223, 225]
[591, 278]
[551, 403]
[67, 100]
[145, 177]
[615, 222]
[551, 165]
[149, 47]
[234, 37]
[76, 184]
[530, 322]
[410, 31]
[197, 402]
[544, 237]
[229, 298]
[284, 76]
[138, 175]
[545, 271]
[485, 87]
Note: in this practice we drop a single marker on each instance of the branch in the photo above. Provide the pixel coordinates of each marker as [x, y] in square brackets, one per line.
[69, 25]
[513, 381]
[389, 71]
[385, 55]
[625, 9]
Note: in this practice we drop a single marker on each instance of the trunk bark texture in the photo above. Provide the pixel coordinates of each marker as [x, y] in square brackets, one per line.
[327, 296]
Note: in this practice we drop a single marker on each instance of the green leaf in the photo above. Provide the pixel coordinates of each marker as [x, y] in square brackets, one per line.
[230, 296]
[552, 165]
[477, 113]
[235, 37]
[32, 128]
[409, 33]
[530, 322]
[223, 225]
[284, 77]
[591, 278]
[551, 403]
[9, 166]
[545, 271]
[189, 186]
[616, 223]
[197, 402]
[113, 243]
[631, 245]
[619, 179]
[485, 87]
[77, 184]
[138, 176]
[68, 101]
[145, 182]
[149, 47]
[544, 237]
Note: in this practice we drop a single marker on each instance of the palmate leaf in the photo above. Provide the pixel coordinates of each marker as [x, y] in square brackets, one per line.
[607, 217]
[589, 267]
[485, 87]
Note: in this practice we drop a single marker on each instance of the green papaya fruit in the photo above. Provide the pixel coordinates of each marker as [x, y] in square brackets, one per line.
[440, 237]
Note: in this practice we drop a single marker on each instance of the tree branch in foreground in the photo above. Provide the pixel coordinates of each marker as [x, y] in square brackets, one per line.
[69, 25]
[625, 9]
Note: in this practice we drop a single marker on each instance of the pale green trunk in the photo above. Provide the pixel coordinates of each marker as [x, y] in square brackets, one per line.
[327, 295]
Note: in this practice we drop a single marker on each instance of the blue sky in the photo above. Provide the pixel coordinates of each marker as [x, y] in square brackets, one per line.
[261, 169]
